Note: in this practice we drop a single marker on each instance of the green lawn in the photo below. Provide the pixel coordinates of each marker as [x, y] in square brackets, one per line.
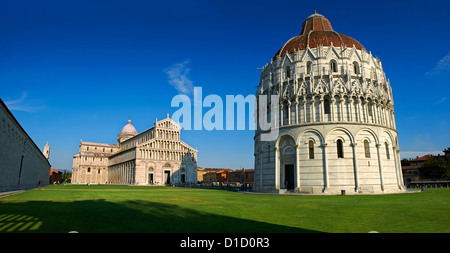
[124, 209]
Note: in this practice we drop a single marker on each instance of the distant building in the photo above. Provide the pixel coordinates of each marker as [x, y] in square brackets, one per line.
[411, 174]
[240, 177]
[200, 173]
[22, 164]
[154, 156]
[419, 161]
[55, 176]
[215, 176]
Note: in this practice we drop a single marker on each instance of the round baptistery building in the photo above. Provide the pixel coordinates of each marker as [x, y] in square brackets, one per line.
[335, 118]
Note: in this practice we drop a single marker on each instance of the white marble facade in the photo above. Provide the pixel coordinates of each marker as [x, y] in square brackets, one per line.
[156, 156]
[337, 126]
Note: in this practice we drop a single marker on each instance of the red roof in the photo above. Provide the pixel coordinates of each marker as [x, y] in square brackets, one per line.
[316, 31]
[422, 158]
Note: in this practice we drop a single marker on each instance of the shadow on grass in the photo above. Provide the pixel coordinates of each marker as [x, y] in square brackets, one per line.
[99, 216]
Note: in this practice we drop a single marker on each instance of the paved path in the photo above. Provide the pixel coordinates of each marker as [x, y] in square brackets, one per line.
[7, 193]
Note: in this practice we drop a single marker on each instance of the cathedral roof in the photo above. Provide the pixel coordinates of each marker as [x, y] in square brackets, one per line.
[316, 31]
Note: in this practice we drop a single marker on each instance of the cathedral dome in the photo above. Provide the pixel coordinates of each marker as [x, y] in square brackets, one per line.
[128, 131]
[317, 31]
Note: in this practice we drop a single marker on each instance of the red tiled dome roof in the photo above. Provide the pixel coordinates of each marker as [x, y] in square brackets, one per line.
[317, 30]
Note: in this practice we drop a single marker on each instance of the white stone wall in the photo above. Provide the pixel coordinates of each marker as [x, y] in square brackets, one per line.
[326, 173]
[22, 164]
[360, 108]
[90, 165]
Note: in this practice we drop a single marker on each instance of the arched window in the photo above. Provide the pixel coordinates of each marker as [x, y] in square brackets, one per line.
[288, 72]
[340, 149]
[366, 148]
[333, 66]
[388, 156]
[89, 169]
[308, 67]
[311, 149]
[326, 106]
[356, 68]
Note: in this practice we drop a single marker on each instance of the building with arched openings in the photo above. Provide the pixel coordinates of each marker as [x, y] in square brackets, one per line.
[156, 156]
[336, 118]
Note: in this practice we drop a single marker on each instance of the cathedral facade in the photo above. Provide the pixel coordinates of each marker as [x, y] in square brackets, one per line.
[336, 118]
[156, 156]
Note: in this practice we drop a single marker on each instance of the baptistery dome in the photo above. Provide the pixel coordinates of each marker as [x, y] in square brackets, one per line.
[335, 118]
[317, 31]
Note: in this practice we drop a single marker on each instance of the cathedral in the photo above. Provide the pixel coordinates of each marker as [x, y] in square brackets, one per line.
[156, 156]
[336, 119]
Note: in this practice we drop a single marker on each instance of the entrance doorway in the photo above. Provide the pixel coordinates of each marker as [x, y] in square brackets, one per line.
[150, 178]
[289, 176]
[167, 176]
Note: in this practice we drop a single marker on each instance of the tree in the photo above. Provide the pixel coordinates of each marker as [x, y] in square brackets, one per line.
[66, 176]
[434, 168]
[405, 162]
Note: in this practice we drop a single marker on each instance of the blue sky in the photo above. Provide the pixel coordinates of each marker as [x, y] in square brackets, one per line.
[72, 70]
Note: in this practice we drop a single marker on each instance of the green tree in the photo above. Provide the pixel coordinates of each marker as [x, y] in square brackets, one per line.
[66, 176]
[434, 168]
[405, 162]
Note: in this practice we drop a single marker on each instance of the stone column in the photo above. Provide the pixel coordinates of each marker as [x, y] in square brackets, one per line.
[355, 166]
[296, 111]
[386, 115]
[289, 111]
[277, 168]
[398, 172]
[321, 104]
[261, 167]
[125, 173]
[379, 165]
[281, 113]
[393, 119]
[297, 167]
[304, 110]
[377, 108]
[350, 109]
[366, 115]
[358, 111]
[325, 167]
[333, 100]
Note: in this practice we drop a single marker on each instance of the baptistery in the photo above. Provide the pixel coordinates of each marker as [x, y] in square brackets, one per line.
[335, 113]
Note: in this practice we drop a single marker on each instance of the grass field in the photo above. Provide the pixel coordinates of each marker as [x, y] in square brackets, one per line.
[125, 209]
